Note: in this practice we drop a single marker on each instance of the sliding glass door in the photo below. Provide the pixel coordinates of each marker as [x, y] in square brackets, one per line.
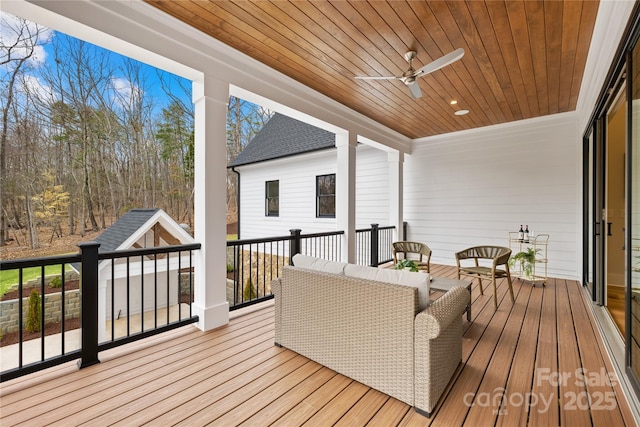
[611, 234]
[633, 195]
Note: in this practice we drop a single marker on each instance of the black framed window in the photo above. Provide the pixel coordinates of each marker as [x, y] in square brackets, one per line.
[326, 196]
[272, 198]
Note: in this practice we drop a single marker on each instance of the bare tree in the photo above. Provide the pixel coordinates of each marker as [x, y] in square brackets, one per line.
[79, 79]
[244, 121]
[18, 42]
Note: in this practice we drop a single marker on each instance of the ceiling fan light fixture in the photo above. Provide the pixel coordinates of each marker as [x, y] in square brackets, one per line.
[409, 76]
[461, 112]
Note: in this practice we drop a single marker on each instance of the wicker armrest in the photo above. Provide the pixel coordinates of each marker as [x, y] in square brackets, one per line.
[439, 315]
[276, 290]
[438, 347]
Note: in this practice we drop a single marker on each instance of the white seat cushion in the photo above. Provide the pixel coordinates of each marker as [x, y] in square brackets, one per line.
[396, 277]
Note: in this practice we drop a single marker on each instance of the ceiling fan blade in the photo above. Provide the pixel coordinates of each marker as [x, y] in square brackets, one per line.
[440, 62]
[414, 89]
[377, 78]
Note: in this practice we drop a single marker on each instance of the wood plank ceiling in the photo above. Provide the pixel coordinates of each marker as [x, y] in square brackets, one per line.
[522, 59]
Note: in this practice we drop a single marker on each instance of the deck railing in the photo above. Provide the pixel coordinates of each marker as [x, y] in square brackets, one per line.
[133, 294]
[126, 296]
[373, 245]
[252, 264]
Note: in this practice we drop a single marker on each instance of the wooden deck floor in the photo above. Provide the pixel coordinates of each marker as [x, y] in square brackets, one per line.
[539, 362]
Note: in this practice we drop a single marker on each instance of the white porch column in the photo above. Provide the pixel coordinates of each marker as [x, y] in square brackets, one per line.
[346, 193]
[396, 197]
[210, 188]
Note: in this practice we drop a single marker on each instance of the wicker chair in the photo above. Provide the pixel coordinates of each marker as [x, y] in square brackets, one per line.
[498, 255]
[420, 251]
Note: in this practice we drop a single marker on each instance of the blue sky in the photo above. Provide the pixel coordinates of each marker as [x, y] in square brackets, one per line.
[122, 87]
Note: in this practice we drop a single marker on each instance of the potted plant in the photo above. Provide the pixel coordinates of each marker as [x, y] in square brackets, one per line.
[526, 260]
[408, 264]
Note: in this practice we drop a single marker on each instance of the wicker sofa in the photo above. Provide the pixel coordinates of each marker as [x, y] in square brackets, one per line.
[371, 331]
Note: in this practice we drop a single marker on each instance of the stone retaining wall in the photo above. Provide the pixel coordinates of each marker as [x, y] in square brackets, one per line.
[52, 310]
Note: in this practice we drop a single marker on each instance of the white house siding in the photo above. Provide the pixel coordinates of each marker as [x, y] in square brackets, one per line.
[473, 187]
[297, 176]
[372, 188]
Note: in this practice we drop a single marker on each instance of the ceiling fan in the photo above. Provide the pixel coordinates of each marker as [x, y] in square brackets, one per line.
[409, 77]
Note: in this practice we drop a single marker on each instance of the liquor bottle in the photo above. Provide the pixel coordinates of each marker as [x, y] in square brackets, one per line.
[521, 234]
[526, 234]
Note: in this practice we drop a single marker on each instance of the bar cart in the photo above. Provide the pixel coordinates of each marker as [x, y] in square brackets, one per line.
[539, 244]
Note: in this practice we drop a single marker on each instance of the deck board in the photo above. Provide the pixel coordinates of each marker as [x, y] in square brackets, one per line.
[522, 365]
[546, 359]
[599, 386]
[568, 359]
[498, 371]
[234, 375]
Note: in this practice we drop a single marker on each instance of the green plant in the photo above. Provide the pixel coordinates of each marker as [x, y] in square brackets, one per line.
[230, 268]
[526, 259]
[33, 312]
[406, 264]
[56, 282]
[249, 291]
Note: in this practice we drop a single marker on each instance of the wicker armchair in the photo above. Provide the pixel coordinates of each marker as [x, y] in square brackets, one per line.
[419, 251]
[498, 255]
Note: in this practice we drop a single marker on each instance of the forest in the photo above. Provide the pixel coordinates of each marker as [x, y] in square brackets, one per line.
[85, 136]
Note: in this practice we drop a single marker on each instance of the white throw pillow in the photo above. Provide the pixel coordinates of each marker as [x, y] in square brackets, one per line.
[318, 264]
[362, 272]
[396, 277]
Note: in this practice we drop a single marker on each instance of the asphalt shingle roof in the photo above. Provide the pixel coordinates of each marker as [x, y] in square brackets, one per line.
[284, 136]
[123, 228]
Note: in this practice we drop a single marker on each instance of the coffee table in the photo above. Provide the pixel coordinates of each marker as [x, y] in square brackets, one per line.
[444, 284]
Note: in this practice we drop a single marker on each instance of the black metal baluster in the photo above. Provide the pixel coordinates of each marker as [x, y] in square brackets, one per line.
[179, 286]
[264, 271]
[20, 318]
[142, 293]
[168, 291]
[128, 300]
[236, 273]
[42, 313]
[62, 309]
[190, 283]
[155, 291]
[250, 273]
[113, 300]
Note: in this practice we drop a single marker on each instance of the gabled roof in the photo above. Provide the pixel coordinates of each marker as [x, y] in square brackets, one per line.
[123, 228]
[283, 136]
[125, 232]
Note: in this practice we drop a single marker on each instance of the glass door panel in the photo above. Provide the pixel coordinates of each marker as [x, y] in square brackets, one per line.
[633, 235]
[589, 257]
[615, 213]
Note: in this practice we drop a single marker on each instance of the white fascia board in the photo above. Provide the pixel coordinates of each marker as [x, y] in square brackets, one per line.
[173, 227]
[167, 222]
[145, 33]
[272, 164]
[502, 128]
[90, 22]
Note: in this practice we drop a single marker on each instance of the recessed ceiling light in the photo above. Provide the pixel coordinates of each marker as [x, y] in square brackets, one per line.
[461, 112]
[454, 102]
